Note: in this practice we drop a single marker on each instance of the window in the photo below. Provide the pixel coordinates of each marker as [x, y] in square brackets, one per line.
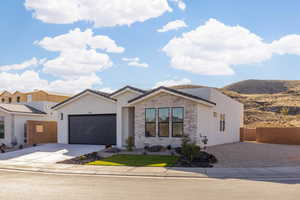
[222, 122]
[2, 128]
[29, 98]
[177, 122]
[18, 99]
[150, 122]
[9, 100]
[215, 114]
[61, 116]
[3, 100]
[39, 128]
[163, 122]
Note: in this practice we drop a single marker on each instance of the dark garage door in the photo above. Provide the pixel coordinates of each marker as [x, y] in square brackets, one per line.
[92, 129]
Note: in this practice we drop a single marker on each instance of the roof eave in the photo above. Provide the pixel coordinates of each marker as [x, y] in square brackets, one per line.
[57, 106]
[174, 92]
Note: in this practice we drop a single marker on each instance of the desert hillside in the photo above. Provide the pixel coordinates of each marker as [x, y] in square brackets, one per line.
[268, 102]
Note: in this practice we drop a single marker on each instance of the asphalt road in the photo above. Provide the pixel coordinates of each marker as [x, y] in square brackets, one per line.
[31, 186]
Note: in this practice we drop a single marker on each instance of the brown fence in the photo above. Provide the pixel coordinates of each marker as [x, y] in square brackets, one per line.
[41, 132]
[272, 135]
[248, 134]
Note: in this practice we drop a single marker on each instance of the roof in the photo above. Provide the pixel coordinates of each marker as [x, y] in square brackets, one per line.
[102, 94]
[173, 91]
[50, 93]
[127, 87]
[20, 108]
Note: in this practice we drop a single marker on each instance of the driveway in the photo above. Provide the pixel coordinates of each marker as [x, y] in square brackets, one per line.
[252, 154]
[48, 153]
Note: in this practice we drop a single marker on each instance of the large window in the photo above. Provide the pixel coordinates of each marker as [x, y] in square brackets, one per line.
[163, 122]
[150, 122]
[2, 128]
[177, 122]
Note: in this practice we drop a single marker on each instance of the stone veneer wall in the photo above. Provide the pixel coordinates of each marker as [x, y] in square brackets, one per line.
[165, 100]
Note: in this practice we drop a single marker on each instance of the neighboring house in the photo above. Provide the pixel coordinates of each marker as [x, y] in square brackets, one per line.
[17, 108]
[156, 117]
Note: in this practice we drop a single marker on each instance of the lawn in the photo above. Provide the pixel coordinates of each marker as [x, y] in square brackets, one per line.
[137, 160]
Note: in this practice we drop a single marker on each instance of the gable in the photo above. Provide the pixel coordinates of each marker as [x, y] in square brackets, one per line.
[88, 102]
[171, 92]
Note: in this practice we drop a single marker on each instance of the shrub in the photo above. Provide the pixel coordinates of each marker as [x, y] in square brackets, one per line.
[155, 148]
[169, 147]
[130, 143]
[189, 149]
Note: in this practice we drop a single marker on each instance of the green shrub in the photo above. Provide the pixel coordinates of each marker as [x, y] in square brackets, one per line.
[189, 149]
[130, 143]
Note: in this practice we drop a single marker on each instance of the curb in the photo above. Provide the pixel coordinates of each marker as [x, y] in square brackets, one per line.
[230, 174]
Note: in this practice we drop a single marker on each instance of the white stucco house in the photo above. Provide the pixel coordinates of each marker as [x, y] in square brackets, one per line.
[156, 117]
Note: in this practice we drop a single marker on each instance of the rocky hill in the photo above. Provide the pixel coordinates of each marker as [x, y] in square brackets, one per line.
[268, 103]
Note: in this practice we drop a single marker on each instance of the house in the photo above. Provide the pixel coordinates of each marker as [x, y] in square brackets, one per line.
[156, 117]
[18, 108]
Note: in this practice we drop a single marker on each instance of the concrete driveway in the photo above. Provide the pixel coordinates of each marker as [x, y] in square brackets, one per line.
[48, 153]
[253, 154]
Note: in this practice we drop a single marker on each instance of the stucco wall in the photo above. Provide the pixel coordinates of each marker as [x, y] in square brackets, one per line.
[233, 111]
[7, 128]
[123, 116]
[20, 121]
[165, 100]
[87, 104]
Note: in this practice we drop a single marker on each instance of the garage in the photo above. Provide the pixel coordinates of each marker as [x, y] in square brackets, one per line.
[97, 129]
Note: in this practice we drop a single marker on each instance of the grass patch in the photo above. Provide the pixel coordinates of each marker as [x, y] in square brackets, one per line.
[137, 160]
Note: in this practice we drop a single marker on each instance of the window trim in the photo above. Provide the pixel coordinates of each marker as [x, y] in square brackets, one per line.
[158, 123]
[151, 123]
[222, 122]
[177, 122]
[3, 120]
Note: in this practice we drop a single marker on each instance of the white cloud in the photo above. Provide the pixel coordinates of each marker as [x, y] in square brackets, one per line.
[107, 90]
[173, 25]
[77, 63]
[211, 49]
[180, 4]
[30, 80]
[168, 83]
[77, 39]
[78, 53]
[75, 85]
[289, 44]
[135, 62]
[33, 62]
[100, 12]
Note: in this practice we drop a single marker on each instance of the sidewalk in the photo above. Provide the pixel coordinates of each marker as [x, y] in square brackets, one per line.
[244, 173]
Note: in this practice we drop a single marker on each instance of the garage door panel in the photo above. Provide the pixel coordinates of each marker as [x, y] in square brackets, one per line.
[92, 129]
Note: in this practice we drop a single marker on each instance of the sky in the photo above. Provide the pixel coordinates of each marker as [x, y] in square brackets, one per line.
[71, 45]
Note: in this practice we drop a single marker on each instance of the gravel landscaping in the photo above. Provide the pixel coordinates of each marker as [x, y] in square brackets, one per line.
[252, 154]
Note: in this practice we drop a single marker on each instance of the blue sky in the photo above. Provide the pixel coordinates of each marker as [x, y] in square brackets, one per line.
[222, 42]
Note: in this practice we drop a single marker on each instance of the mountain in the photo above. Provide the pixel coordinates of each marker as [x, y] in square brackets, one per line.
[268, 103]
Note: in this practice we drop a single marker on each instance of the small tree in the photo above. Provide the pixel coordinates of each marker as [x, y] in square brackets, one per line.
[130, 143]
[284, 111]
[189, 149]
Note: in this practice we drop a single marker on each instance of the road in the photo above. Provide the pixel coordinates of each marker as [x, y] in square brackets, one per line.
[31, 186]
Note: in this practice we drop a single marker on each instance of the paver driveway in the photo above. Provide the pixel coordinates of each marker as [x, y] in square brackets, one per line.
[252, 154]
[48, 153]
